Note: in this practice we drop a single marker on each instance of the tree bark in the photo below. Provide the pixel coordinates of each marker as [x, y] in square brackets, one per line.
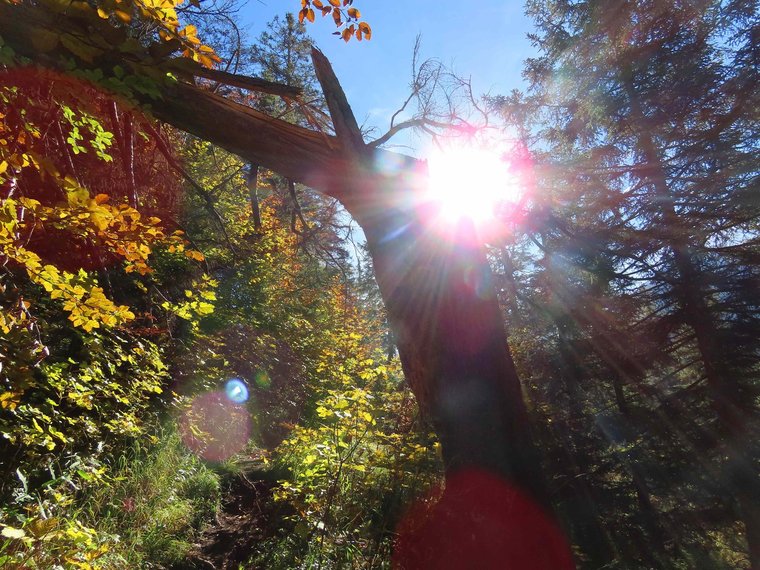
[453, 347]
[252, 179]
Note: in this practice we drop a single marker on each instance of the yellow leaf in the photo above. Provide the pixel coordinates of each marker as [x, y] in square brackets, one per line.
[323, 412]
[189, 31]
[36, 425]
[10, 400]
[41, 527]
[101, 218]
[205, 308]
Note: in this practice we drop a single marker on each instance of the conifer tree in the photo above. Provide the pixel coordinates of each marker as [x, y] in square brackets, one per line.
[651, 134]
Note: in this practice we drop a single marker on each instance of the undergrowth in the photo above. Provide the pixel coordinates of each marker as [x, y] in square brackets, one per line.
[144, 511]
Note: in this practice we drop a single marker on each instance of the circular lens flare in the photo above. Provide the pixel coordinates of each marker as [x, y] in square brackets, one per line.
[236, 391]
[479, 520]
[214, 428]
[262, 380]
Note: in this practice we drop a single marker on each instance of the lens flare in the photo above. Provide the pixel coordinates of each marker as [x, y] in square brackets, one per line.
[484, 182]
[469, 183]
[215, 428]
[262, 380]
[479, 521]
[236, 391]
[478, 280]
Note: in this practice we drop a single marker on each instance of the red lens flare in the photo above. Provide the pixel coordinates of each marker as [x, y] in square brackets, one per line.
[479, 521]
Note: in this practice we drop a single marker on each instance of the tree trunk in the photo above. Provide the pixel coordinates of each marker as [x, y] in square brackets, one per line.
[453, 347]
[252, 179]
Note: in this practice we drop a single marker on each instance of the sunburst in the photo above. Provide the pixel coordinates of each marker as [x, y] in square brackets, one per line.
[471, 180]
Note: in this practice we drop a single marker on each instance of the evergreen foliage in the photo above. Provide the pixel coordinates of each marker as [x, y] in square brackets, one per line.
[639, 270]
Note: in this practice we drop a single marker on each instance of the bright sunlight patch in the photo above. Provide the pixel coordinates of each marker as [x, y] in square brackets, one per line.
[472, 179]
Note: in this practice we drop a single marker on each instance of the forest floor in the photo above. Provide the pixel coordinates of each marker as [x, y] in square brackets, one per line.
[239, 526]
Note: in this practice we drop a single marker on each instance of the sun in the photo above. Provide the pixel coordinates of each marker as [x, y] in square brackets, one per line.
[471, 180]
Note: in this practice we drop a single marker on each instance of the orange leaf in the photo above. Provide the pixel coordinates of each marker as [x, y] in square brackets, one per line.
[366, 30]
[336, 16]
[310, 15]
[125, 17]
[318, 3]
[354, 13]
[335, 3]
[346, 35]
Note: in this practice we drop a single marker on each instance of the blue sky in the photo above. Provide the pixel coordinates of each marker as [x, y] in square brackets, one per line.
[484, 40]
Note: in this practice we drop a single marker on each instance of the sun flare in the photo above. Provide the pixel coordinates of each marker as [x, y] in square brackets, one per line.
[471, 181]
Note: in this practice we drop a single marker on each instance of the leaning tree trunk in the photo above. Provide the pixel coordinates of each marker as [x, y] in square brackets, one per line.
[438, 292]
[453, 347]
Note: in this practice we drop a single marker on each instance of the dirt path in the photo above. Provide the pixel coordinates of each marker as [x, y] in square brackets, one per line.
[242, 523]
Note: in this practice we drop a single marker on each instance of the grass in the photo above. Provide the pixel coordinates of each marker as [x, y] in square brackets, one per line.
[159, 499]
